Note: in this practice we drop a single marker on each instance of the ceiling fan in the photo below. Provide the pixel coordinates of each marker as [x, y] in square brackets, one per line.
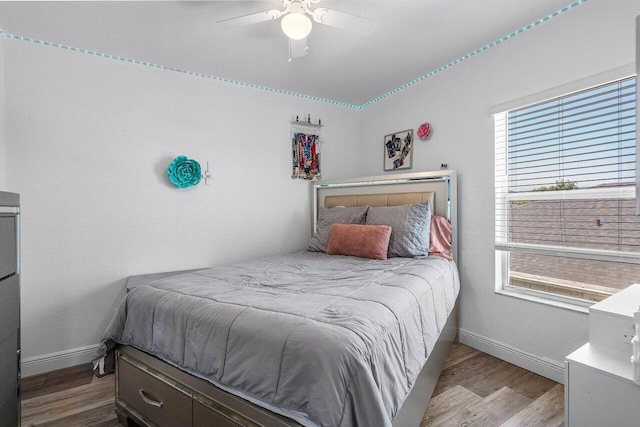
[296, 24]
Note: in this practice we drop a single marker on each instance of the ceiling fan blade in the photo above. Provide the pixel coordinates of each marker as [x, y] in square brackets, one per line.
[298, 48]
[345, 21]
[253, 18]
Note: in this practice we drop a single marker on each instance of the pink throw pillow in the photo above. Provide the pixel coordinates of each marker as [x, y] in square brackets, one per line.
[364, 241]
[440, 237]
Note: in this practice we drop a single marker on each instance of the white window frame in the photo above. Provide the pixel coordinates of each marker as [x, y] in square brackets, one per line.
[499, 113]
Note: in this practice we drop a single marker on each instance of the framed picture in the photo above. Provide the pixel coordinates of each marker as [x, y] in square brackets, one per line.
[398, 150]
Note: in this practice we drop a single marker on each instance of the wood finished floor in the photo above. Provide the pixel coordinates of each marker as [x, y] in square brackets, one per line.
[474, 389]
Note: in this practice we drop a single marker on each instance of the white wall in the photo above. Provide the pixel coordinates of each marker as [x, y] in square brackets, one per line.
[88, 143]
[592, 38]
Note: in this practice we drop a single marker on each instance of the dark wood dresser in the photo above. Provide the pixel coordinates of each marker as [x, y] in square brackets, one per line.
[9, 310]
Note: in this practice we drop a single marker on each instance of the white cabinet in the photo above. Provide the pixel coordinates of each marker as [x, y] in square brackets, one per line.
[599, 390]
[9, 310]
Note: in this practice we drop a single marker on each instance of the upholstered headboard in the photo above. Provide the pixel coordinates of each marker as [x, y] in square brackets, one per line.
[382, 199]
[438, 187]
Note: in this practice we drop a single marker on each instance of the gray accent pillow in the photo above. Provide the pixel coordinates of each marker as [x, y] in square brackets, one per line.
[410, 227]
[330, 216]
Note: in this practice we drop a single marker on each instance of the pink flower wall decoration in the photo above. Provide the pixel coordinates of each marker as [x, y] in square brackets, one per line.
[424, 131]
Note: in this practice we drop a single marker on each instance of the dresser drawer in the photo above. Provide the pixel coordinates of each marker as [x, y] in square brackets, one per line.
[209, 413]
[8, 365]
[8, 253]
[152, 395]
[10, 409]
[9, 306]
[206, 416]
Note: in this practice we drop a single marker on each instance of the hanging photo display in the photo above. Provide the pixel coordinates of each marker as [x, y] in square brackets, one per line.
[398, 150]
[306, 156]
[305, 148]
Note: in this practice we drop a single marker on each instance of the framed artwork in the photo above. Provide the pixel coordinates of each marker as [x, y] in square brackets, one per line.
[398, 150]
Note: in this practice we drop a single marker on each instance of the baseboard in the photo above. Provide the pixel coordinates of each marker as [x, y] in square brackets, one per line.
[53, 361]
[539, 365]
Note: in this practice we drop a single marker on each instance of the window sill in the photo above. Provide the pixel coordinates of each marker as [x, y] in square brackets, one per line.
[542, 298]
[554, 288]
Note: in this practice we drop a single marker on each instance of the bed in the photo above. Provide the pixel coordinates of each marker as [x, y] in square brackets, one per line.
[312, 338]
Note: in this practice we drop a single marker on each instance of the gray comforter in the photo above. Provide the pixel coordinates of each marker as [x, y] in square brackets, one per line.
[326, 340]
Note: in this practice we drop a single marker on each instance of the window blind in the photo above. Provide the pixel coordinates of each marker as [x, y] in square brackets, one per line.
[566, 175]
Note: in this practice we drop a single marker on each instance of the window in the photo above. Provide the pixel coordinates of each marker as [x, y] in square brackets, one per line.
[566, 220]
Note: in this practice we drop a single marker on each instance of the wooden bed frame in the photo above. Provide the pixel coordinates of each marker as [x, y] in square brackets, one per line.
[152, 392]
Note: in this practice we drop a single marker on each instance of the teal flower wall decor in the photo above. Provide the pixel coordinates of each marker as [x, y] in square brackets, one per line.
[184, 172]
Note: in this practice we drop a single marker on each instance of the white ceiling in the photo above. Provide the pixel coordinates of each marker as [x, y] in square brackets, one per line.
[412, 38]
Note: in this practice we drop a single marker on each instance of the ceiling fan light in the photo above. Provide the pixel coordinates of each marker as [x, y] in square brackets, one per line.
[296, 25]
